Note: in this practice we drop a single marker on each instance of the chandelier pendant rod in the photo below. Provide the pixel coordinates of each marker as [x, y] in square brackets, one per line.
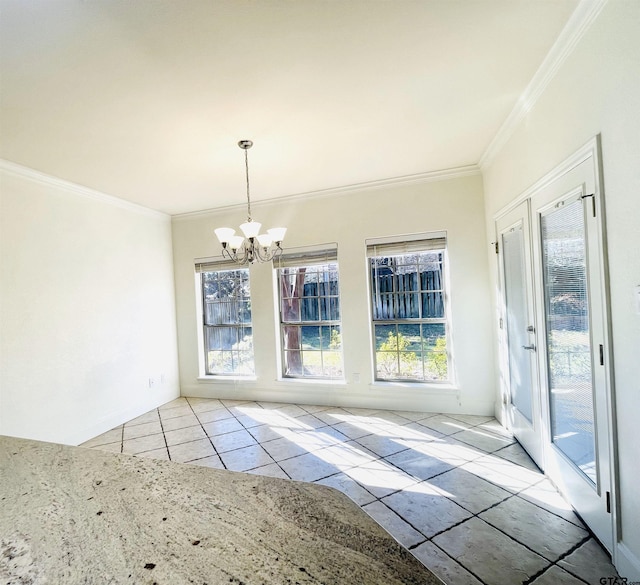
[246, 166]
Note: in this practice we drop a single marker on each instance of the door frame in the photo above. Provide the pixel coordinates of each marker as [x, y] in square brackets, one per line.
[591, 150]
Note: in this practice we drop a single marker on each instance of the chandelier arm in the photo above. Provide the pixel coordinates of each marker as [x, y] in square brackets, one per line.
[246, 256]
[266, 254]
[226, 253]
[261, 256]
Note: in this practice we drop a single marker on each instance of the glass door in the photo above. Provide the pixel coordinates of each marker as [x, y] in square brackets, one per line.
[518, 343]
[568, 340]
[573, 363]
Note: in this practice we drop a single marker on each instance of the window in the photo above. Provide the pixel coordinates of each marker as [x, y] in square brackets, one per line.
[226, 320]
[408, 299]
[310, 315]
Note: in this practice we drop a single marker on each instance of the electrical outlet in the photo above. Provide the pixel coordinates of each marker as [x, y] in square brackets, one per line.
[356, 378]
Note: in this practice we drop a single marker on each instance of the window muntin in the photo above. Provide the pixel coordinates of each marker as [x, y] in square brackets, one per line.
[409, 317]
[228, 339]
[310, 321]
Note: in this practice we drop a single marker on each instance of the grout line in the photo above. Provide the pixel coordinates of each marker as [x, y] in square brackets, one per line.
[526, 545]
[166, 445]
[258, 442]
[572, 550]
[379, 458]
[404, 519]
[283, 470]
[583, 526]
[555, 563]
[207, 434]
[538, 574]
[458, 562]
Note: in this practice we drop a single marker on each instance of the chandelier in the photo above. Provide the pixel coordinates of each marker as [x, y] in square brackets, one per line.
[254, 245]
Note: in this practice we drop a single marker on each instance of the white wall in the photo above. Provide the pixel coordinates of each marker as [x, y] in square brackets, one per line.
[454, 205]
[87, 309]
[597, 90]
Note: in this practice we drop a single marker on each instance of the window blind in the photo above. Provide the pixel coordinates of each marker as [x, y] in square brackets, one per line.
[216, 264]
[308, 256]
[412, 246]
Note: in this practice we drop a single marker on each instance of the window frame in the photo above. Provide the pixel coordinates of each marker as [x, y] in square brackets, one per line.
[397, 248]
[239, 325]
[310, 260]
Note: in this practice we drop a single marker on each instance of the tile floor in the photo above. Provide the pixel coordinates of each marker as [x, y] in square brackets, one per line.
[456, 490]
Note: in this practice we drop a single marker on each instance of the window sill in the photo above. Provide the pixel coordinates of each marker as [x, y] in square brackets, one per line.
[317, 381]
[215, 379]
[444, 387]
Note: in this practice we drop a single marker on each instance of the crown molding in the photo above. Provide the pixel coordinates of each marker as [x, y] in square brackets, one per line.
[428, 177]
[578, 24]
[11, 168]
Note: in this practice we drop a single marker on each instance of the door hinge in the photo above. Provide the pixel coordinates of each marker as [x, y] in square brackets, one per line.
[593, 202]
[608, 502]
[497, 247]
[601, 354]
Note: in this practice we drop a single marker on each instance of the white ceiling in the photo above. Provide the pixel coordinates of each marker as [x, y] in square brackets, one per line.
[146, 99]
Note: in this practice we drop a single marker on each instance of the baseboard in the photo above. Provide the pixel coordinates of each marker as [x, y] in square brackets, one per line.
[627, 563]
[396, 398]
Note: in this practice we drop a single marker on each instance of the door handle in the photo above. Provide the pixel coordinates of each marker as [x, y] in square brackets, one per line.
[529, 347]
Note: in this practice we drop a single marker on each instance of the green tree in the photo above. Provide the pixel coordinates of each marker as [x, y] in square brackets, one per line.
[336, 340]
[437, 359]
[392, 358]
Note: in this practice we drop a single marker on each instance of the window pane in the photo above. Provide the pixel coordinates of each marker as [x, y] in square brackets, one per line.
[407, 292]
[245, 339]
[309, 303]
[291, 293]
[332, 362]
[227, 322]
[410, 365]
[435, 346]
[221, 362]
[290, 310]
[334, 309]
[431, 333]
[291, 337]
[293, 363]
[409, 337]
[311, 337]
[245, 363]
[386, 337]
[312, 363]
[220, 337]
[244, 312]
[331, 337]
[431, 262]
[387, 365]
[309, 298]
[432, 305]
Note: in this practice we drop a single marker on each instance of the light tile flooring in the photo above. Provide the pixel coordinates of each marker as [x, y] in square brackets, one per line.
[456, 490]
